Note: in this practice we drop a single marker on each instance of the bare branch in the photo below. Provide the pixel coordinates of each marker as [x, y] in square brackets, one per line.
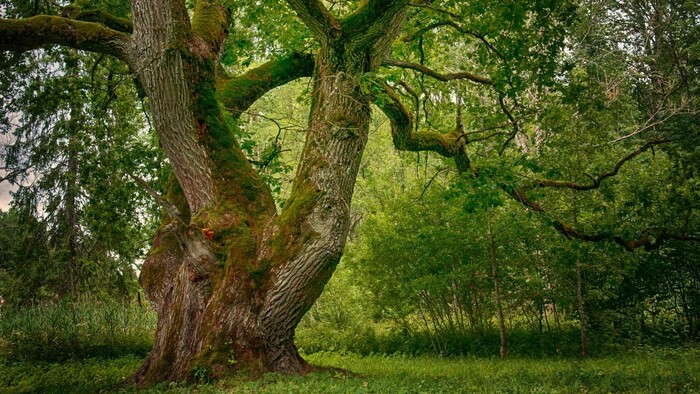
[432, 179]
[172, 211]
[513, 122]
[32, 33]
[595, 182]
[459, 28]
[650, 239]
[11, 174]
[434, 74]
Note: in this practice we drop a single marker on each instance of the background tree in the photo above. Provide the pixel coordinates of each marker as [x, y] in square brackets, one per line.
[72, 141]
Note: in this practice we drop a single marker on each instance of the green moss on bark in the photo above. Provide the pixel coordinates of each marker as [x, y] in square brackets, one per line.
[237, 94]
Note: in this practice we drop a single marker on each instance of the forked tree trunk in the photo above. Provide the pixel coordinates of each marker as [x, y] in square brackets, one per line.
[231, 278]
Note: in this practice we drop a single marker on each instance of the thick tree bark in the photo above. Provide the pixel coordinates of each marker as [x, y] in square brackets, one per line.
[231, 278]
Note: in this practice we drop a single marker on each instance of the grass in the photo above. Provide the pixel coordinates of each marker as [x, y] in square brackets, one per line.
[88, 347]
[648, 371]
[71, 376]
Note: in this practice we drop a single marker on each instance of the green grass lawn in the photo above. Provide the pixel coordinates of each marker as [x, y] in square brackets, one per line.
[654, 371]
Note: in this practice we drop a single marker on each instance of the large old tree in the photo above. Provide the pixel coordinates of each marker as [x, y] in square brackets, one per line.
[229, 274]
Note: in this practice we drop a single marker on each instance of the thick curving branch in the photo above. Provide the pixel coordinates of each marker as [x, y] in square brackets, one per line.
[317, 18]
[98, 16]
[405, 138]
[595, 182]
[239, 93]
[38, 31]
[454, 145]
[434, 74]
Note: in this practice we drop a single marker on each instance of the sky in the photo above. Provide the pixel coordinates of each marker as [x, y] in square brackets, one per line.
[5, 140]
[5, 198]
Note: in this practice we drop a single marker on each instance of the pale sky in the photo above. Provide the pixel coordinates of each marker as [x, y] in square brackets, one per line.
[5, 140]
[5, 198]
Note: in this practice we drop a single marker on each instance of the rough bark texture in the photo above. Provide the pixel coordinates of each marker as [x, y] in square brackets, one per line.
[231, 278]
[160, 43]
[43, 30]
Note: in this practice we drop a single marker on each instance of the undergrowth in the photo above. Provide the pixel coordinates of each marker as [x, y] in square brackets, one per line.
[79, 329]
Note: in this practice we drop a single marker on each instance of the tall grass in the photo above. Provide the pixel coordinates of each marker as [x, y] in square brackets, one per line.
[79, 329]
[370, 340]
[648, 371]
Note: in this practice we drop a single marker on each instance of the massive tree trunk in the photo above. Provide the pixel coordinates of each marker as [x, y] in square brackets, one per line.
[230, 277]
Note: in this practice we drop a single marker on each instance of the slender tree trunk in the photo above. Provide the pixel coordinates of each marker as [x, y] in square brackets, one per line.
[71, 213]
[579, 291]
[496, 288]
[581, 311]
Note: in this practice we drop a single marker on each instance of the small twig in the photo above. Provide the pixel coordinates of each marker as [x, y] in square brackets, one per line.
[427, 185]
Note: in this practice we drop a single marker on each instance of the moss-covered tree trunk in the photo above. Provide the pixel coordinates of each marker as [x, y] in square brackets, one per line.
[229, 276]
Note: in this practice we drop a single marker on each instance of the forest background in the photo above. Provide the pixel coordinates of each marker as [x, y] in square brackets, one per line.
[572, 233]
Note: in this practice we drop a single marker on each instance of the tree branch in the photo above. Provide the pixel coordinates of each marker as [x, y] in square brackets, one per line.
[405, 138]
[32, 33]
[98, 16]
[595, 182]
[237, 94]
[11, 174]
[171, 210]
[317, 18]
[434, 74]
[373, 20]
[513, 122]
[650, 239]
